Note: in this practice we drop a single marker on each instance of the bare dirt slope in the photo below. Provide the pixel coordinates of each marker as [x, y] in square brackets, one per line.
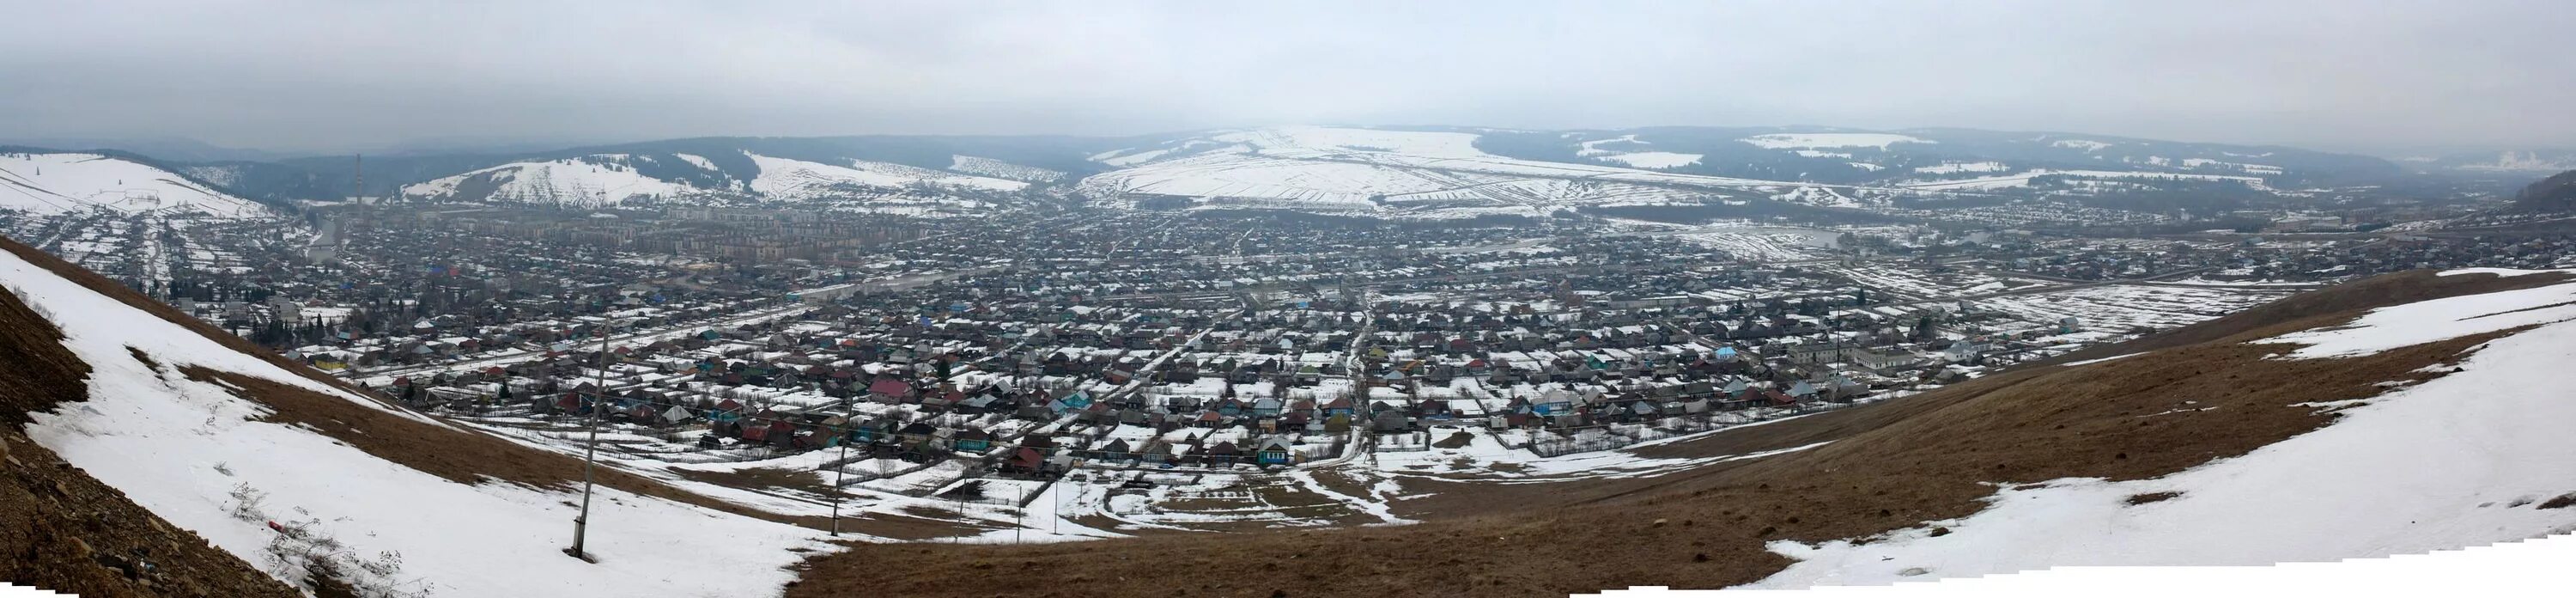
[61, 529]
[1926, 458]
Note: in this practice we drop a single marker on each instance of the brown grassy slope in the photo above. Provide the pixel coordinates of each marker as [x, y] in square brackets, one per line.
[1924, 458]
[472, 457]
[2297, 312]
[1455, 499]
[57, 522]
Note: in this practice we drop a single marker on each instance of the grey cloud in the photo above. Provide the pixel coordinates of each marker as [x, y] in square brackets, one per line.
[326, 75]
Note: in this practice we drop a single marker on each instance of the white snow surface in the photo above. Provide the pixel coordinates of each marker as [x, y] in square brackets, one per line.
[1113, 159]
[796, 179]
[56, 183]
[1416, 174]
[598, 180]
[2440, 319]
[2094, 361]
[1958, 167]
[2455, 462]
[1303, 140]
[1001, 170]
[180, 448]
[1799, 140]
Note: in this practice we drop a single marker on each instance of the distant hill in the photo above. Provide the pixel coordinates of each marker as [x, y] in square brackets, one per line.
[2554, 194]
[2501, 161]
[748, 168]
[175, 149]
[48, 182]
[1425, 172]
[1898, 157]
[1450, 172]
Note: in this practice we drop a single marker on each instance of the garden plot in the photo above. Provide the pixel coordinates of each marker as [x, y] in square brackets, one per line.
[1497, 457]
[2124, 307]
[1214, 502]
[1755, 245]
[1926, 285]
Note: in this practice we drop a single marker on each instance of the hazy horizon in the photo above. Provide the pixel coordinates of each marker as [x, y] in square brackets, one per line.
[294, 76]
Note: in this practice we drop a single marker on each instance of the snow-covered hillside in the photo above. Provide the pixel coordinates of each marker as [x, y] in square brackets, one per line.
[783, 178]
[606, 179]
[2511, 161]
[1430, 174]
[611, 179]
[2477, 457]
[1351, 170]
[54, 183]
[1002, 170]
[1815, 140]
[198, 452]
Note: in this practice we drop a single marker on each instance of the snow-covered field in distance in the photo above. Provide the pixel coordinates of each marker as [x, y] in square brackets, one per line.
[54, 183]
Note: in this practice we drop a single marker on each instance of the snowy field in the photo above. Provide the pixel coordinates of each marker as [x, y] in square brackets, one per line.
[607, 179]
[989, 167]
[1347, 169]
[58, 183]
[1911, 282]
[2122, 307]
[1765, 245]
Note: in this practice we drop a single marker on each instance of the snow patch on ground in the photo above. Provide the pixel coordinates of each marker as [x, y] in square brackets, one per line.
[2429, 321]
[2094, 361]
[2451, 463]
[781, 177]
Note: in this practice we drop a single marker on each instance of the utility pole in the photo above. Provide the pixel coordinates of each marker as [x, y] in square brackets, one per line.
[840, 475]
[590, 451]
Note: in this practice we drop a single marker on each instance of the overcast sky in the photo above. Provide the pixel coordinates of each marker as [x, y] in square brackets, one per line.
[2366, 75]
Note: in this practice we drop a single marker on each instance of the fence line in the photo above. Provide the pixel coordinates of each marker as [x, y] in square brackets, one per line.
[1612, 436]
